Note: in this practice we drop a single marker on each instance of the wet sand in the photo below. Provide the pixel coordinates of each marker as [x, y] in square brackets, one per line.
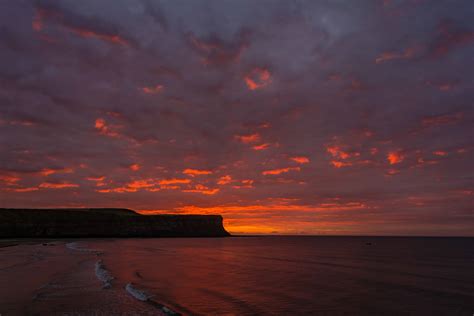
[57, 277]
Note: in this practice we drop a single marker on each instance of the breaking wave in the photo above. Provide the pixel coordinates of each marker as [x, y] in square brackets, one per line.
[103, 274]
[145, 297]
[136, 293]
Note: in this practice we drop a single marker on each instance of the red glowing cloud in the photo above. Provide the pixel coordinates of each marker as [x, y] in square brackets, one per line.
[199, 188]
[444, 119]
[87, 33]
[9, 179]
[340, 164]
[248, 139]
[395, 157]
[174, 181]
[104, 129]
[62, 185]
[440, 153]
[46, 172]
[135, 167]
[258, 78]
[196, 172]
[280, 171]
[300, 159]
[244, 184]
[261, 147]
[387, 56]
[337, 152]
[224, 180]
[153, 90]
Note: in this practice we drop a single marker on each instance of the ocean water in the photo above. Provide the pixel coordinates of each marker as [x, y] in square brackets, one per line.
[240, 276]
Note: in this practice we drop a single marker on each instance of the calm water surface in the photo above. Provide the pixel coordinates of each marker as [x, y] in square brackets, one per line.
[242, 276]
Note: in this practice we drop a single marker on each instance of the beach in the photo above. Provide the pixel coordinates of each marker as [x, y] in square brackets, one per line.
[238, 276]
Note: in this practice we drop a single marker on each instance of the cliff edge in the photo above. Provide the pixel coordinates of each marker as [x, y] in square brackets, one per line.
[56, 223]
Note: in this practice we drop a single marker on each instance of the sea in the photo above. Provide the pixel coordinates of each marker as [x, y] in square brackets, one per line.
[259, 275]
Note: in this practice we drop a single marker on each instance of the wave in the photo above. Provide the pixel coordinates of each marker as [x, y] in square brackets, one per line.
[75, 246]
[145, 297]
[138, 294]
[103, 274]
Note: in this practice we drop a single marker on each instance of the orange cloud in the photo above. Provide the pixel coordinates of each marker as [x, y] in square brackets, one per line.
[224, 180]
[337, 152]
[340, 164]
[421, 161]
[168, 187]
[263, 217]
[196, 172]
[174, 181]
[37, 25]
[248, 139]
[9, 179]
[392, 172]
[199, 188]
[152, 90]
[245, 184]
[440, 153]
[110, 38]
[406, 54]
[300, 159]
[101, 125]
[437, 120]
[46, 172]
[280, 171]
[63, 185]
[99, 181]
[117, 190]
[96, 179]
[257, 78]
[278, 206]
[150, 185]
[135, 167]
[132, 186]
[140, 184]
[20, 190]
[261, 147]
[395, 157]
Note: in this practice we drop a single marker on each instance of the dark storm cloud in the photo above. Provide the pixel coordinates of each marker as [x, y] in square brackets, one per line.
[338, 116]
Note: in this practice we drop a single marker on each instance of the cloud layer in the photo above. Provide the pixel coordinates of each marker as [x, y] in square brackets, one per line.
[317, 117]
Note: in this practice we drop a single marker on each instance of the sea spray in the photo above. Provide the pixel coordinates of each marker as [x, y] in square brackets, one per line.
[145, 297]
[103, 274]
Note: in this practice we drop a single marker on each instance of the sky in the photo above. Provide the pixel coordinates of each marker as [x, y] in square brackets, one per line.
[286, 117]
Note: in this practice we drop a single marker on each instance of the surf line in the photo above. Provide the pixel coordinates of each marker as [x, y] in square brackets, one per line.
[145, 297]
[103, 274]
[75, 246]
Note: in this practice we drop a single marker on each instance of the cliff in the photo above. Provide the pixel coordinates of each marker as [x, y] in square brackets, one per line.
[55, 223]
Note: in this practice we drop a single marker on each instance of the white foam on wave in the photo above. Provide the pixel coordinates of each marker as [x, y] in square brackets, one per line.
[75, 246]
[145, 297]
[136, 293]
[103, 274]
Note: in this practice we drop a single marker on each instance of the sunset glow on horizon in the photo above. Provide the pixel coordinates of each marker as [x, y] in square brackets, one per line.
[283, 118]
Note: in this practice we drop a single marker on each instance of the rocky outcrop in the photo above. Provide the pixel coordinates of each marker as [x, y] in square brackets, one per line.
[55, 223]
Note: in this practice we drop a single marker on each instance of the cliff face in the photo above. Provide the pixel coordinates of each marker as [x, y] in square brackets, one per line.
[54, 223]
